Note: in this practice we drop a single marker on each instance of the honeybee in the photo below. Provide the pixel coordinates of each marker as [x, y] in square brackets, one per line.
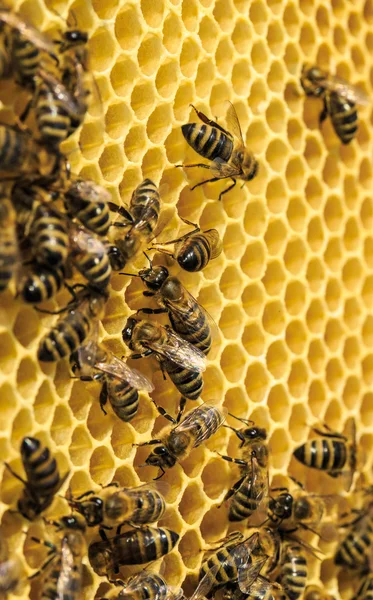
[49, 237]
[43, 478]
[138, 506]
[134, 547]
[73, 328]
[63, 578]
[293, 570]
[90, 258]
[145, 586]
[8, 241]
[331, 452]
[226, 149]
[180, 360]
[194, 250]
[313, 592]
[10, 568]
[17, 150]
[355, 550]
[252, 488]
[176, 444]
[40, 283]
[87, 201]
[141, 219]
[339, 98]
[187, 317]
[120, 382]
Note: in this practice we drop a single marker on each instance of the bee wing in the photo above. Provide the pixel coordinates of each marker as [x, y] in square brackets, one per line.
[352, 93]
[27, 30]
[223, 169]
[59, 91]
[233, 123]
[91, 191]
[242, 552]
[119, 369]
[138, 581]
[205, 584]
[247, 574]
[189, 423]
[86, 242]
[181, 353]
[71, 569]
[188, 308]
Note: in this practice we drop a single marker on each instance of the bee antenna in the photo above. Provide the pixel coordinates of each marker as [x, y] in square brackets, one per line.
[149, 259]
[130, 274]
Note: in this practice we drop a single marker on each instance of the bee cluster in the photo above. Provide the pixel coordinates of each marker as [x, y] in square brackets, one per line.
[55, 227]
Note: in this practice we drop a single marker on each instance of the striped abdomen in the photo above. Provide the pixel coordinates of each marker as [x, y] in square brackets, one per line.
[356, 549]
[343, 115]
[41, 284]
[145, 206]
[8, 242]
[189, 383]
[66, 336]
[138, 506]
[365, 591]
[326, 454]
[13, 148]
[140, 546]
[124, 399]
[40, 467]
[293, 573]
[194, 253]
[228, 570]
[49, 591]
[208, 141]
[93, 214]
[50, 237]
[246, 500]
[192, 326]
[26, 59]
[94, 266]
[52, 118]
[149, 586]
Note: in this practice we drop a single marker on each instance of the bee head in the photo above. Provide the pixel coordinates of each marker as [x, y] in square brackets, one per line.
[302, 509]
[249, 165]
[127, 332]
[312, 80]
[92, 510]
[282, 505]
[29, 445]
[75, 36]
[160, 457]
[100, 556]
[154, 277]
[253, 434]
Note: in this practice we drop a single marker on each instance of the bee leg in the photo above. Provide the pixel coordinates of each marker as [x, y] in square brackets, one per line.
[25, 113]
[202, 165]
[164, 413]
[103, 536]
[44, 566]
[161, 475]
[233, 490]
[103, 397]
[151, 311]
[142, 355]
[149, 443]
[208, 121]
[238, 434]
[205, 181]
[120, 210]
[181, 409]
[227, 190]
[7, 466]
[323, 114]
[329, 433]
[236, 461]
[298, 483]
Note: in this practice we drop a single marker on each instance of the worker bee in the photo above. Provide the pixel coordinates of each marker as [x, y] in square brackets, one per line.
[88, 202]
[17, 150]
[313, 592]
[339, 98]
[8, 241]
[331, 452]
[140, 220]
[355, 550]
[188, 318]
[120, 382]
[180, 360]
[73, 328]
[145, 586]
[49, 236]
[43, 478]
[63, 567]
[113, 506]
[251, 489]
[134, 547]
[40, 283]
[10, 568]
[89, 256]
[226, 149]
[260, 588]
[293, 570]
[176, 444]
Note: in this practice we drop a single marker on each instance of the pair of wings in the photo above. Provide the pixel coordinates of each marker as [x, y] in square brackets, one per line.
[85, 241]
[89, 191]
[352, 93]
[182, 311]
[71, 570]
[201, 413]
[88, 355]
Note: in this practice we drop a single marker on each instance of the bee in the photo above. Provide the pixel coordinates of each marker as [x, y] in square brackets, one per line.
[252, 488]
[365, 591]
[331, 452]
[227, 151]
[177, 443]
[134, 547]
[145, 586]
[10, 568]
[180, 360]
[194, 250]
[355, 550]
[71, 329]
[40, 283]
[17, 150]
[187, 317]
[293, 570]
[89, 256]
[313, 592]
[88, 202]
[49, 237]
[43, 478]
[137, 506]
[339, 98]
[141, 219]
[63, 578]
[8, 241]
[120, 382]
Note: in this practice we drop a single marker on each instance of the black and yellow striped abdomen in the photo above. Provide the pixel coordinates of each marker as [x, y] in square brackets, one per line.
[53, 119]
[14, 147]
[343, 115]
[124, 399]
[245, 501]
[65, 337]
[145, 206]
[140, 506]
[194, 253]
[94, 266]
[93, 214]
[41, 284]
[149, 586]
[140, 546]
[192, 326]
[365, 591]
[26, 59]
[208, 141]
[356, 549]
[293, 572]
[228, 568]
[8, 242]
[41, 468]
[324, 453]
[50, 237]
[189, 383]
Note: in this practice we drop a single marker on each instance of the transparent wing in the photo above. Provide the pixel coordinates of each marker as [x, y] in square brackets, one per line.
[205, 584]
[260, 587]
[189, 423]
[180, 352]
[119, 369]
[138, 581]
[91, 191]
[233, 124]
[71, 570]
[223, 169]
[88, 354]
[86, 242]
[59, 91]
[247, 574]
[241, 553]
[188, 308]
[352, 93]
[27, 30]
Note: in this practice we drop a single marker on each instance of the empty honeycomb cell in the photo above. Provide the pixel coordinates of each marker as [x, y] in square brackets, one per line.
[223, 15]
[231, 322]
[277, 359]
[258, 97]
[333, 294]
[193, 465]
[214, 475]
[298, 378]
[313, 152]
[291, 58]
[295, 173]
[280, 441]
[259, 17]
[183, 98]
[352, 312]
[333, 334]
[44, 403]
[357, 58]
[205, 78]
[231, 283]
[367, 409]
[253, 339]
[351, 352]
[298, 427]
[295, 297]
[149, 54]
[296, 214]
[253, 299]
[91, 140]
[241, 36]
[274, 317]
[274, 278]
[255, 218]
[189, 56]
[256, 382]
[152, 161]
[323, 19]
[22, 425]
[118, 118]
[275, 116]
[340, 39]
[315, 234]
[260, 56]
[233, 362]
[295, 134]
[334, 374]
[296, 337]
[192, 505]
[314, 192]
[367, 369]
[366, 213]
[241, 78]
[275, 38]
[158, 124]
[317, 355]
[278, 403]
[8, 405]
[316, 397]
[188, 547]
[253, 261]
[80, 399]
[111, 163]
[315, 316]
[25, 328]
[172, 33]
[295, 256]
[256, 136]
[128, 27]
[99, 425]
[233, 241]
[367, 331]
[307, 39]
[172, 568]
[213, 525]
[61, 426]
[80, 448]
[102, 38]
[333, 415]
[101, 465]
[123, 436]
[276, 76]
[275, 236]
[8, 353]
[333, 254]
[365, 173]
[213, 380]
[167, 77]
[352, 274]
[351, 392]
[143, 99]
[190, 14]
[208, 34]
[236, 402]
[106, 10]
[27, 376]
[123, 76]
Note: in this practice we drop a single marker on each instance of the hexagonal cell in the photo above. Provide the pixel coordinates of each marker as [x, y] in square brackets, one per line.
[233, 362]
[101, 465]
[278, 403]
[213, 525]
[223, 15]
[298, 378]
[295, 173]
[295, 134]
[274, 278]
[22, 424]
[333, 415]
[276, 76]
[333, 254]
[236, 402]
[315, 274]
[9, 403]
[334, 374]
[352, 274]
[189, 548]
[111, 162]
[26, 328]
[172, 33]
[352, 313]
[260, 56]
[241, 37]
[128, 28]
[334, 333]
[317, 355]
[80, 447]
[231, 283]
[253, 339]
[351, 394]
[189, 57]
[193, 504]
[367, 409]
[44, 402]
[256, 382]
[241, 78]
[214, 477]
[123, 76]
[117, 119]
[61, 425]
[279, 443]
[99, 424]
[298, 427]
[167, 78]
[274, 317]
[351, 352]
[275, 38]
[231, 322]
[159, 123]
[314, 193]
[277, 359]
[253, 261]
[27, 375]
[206, 75]
[277, 154]
[258, 15]
[253, 299]
[258, 97]
[102, 38]
[295, 297]
[317, 397]
[296, 337]
[143, 99]
[91, 139]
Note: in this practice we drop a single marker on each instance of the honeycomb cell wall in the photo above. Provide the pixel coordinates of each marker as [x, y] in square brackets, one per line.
[291, 292]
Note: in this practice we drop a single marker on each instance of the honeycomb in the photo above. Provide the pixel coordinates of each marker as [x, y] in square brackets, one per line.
[291, 292]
